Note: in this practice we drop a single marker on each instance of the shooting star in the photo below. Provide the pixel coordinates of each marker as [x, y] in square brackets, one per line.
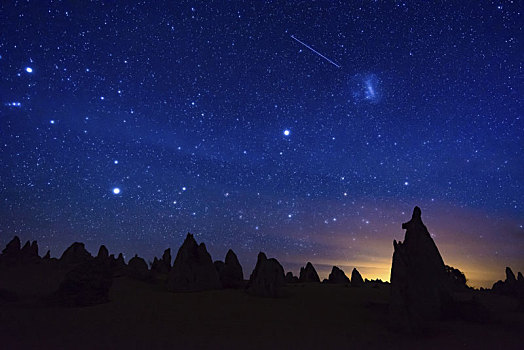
[315, 51]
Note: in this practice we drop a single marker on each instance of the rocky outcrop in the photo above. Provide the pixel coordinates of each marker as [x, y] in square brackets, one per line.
[376, 283]
[88, 283]
[163, 265]
[120, 262]
[137, 268]
[356, 278]
[14, 255]
[457, 279]
[29, 252]
[290, 278]
[118, 265]
[11, 251]
[47, 256]
[75, 254]
[337, 276]
[511, 286]
[193, 269]
[267, 278]
[308, 274]
[103, 253]
[230, 272]
[419, 283]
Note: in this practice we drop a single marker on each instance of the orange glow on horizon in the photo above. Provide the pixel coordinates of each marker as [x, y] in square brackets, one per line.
[470, 240]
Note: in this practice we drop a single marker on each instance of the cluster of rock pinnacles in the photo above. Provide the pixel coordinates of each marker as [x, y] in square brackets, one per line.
[88, 279]
[421, 284]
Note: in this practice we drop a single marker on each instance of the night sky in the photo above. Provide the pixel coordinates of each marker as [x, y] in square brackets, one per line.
[307, 130]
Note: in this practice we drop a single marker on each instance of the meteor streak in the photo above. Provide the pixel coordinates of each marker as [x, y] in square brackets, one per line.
[315, 51]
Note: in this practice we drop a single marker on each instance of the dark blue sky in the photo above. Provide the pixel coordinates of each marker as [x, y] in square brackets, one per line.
[184, 106]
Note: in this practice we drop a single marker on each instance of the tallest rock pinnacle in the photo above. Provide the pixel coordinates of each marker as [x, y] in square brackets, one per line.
[419, 285]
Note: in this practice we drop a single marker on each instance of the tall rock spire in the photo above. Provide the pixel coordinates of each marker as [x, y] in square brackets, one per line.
[419, 286]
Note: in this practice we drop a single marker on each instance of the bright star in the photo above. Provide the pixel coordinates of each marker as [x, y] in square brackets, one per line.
[287, 132]
[116, 190]
[116, 162]
[29, 69]
[51, 121]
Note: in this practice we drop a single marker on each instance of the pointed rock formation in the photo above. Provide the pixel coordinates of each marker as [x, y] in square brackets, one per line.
[30, 249]
[499, 287]
[47, 255]
[356, 278]
[117, 265]
[29, 253]
[267, 278]
[419, 284]
[510, 276]
[14, 255]
[12, 248]
[163, 265]
[88, 283]
[290, 278]
[137, 268]
[166, 258]
[34, 248]
[193, 269]
[337, 276]
[230, 272]
[308, 274]
[26, 246]
[11, 253]
[511, 286]
[75, 254]
[120, 260]
[155, 265]
[103, 253]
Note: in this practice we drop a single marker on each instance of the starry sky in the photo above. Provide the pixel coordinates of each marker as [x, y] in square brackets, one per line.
[307, 130]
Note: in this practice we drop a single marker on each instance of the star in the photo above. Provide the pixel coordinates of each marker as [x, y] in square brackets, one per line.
[287, 132]
[116, 190]
[29, 69]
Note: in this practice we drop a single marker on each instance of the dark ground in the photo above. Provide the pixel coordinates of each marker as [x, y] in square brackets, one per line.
[145, 316]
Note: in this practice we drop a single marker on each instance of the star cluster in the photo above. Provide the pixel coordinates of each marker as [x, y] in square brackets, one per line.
[130, 123]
